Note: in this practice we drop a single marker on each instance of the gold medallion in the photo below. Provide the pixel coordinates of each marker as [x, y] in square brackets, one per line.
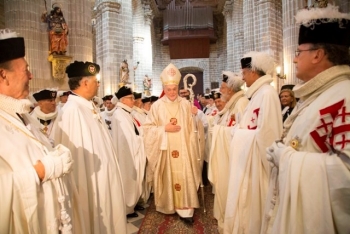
[295, 143]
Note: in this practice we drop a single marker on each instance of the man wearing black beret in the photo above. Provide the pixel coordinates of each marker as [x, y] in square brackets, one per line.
[96, 170]
[45, 113]
[128, 140]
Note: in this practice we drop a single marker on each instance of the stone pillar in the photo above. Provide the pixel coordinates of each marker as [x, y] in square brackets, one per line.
[113, 41]
[268, 30]
[142, 46]
[290, 39]
[248, 25]
[80, 33]
[227, 12]
[238, 39]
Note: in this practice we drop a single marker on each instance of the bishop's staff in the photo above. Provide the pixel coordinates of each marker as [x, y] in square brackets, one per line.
[189, 88]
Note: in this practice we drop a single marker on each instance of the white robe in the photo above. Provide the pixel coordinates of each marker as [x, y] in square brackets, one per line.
[172, 160]
[219, 147]
[96, 170]
[27, 205]
[314, 185]
[130, 153]
[139, 114]
[260, 125]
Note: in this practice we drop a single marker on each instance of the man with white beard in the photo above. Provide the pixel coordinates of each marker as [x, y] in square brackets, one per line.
[219, 169]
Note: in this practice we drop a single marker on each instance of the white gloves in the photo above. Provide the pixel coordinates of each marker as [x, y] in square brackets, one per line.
[57, 163]
[275, 151]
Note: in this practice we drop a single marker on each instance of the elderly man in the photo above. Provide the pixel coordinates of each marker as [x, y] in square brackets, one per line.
[146, 104]
[258, 127]
[45, 113]
[171, 163]
[109, 110]
[30, 168]
[220, 136]
[313, 157]
[96, 170]
[128, 142]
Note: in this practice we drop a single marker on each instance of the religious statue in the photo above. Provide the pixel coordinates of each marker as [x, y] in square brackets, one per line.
[147, 85]
[124, 72]
[58, 30]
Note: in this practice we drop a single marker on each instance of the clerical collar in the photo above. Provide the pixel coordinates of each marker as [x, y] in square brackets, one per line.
[45, 117]
[110, 112]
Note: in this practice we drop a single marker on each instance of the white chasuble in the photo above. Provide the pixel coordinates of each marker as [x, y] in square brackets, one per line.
[96, 170]
[171, 164]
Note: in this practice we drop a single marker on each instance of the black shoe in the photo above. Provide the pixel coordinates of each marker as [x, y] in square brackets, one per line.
[133, 215]
[187, 220]
[138, 207]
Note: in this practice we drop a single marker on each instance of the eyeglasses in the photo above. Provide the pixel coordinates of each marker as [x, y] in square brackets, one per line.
[132, 98]
[297, 52]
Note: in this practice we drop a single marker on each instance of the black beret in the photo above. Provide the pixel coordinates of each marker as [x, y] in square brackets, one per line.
[81, 69]
[146, 99]
[123, 91]
[326, 32]
[45, 94]
[287, 86]
[206, 96]
[224, 78]
[11, 48]
[246, 62]
[107, 97]
[137, 95]
[216, 96]
[154, 98]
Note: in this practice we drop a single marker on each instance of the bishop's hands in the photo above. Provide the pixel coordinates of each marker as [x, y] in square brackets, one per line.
[275, 151]
[58, 163]
[194, 110]
[171, 127]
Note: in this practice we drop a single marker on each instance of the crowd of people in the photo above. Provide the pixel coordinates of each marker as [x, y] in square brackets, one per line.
[278, 162]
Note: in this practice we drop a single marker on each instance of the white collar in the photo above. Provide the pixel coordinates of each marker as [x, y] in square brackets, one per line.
[43, 116]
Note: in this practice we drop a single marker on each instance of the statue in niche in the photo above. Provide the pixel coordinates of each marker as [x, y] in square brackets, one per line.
[58, 30]
[147, 85]
[124, 72]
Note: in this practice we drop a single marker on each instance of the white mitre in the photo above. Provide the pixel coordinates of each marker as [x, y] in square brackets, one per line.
[170, 75]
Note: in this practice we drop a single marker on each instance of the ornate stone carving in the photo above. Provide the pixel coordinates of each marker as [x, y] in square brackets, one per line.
[228, 7]
[107, 6]
[59, 64]
[148, 13]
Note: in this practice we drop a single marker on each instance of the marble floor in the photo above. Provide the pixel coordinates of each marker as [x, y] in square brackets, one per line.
[134, 224]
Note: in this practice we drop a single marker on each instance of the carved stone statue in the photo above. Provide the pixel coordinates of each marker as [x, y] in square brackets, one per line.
[124, 72]
[58, 30]
[147, 85]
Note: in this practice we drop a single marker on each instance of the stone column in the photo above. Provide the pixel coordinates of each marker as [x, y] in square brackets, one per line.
[290, 39]
[227, 12]
[142, 46]
[248, 25]
[268, 30]
[238, 40]
[80, 33]
[113, 41]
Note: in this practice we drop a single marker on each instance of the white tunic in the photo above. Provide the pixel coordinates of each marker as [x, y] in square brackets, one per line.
[314, 185]
[130, 153]
[96, 170]
[28, 206]
[260, 125]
